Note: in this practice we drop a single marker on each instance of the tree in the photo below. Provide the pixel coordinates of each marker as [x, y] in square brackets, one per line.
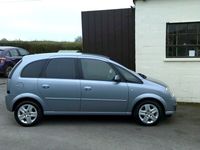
[4, 40]
[78, 39]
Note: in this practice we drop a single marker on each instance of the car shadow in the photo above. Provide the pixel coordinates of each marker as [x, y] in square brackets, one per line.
[85, 120]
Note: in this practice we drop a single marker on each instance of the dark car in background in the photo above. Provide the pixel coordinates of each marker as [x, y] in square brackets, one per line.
[9, 56]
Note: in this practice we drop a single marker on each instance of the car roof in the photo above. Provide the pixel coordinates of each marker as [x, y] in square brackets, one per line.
[7, 47]
[58, 55]
[68, 51]
[34, 57]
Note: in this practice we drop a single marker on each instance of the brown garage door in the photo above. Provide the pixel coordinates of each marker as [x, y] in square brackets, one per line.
[110, 33]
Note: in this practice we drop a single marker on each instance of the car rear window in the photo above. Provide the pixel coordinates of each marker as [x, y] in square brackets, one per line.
[13, 70]
[23, 52]
[34, 69]
[13, 52]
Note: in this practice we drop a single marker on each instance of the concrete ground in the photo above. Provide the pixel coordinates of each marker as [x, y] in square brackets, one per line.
[180, 132]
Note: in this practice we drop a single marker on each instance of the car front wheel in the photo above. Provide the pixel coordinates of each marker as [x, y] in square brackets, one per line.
[148, 113]
[28, 113]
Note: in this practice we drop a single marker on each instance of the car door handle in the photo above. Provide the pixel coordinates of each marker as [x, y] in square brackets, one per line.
[88, 88]
[45, 86]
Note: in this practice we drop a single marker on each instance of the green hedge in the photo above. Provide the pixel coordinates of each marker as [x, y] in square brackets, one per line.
[43, 46]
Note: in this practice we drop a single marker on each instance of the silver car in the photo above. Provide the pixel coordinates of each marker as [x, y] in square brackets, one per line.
[83, 84]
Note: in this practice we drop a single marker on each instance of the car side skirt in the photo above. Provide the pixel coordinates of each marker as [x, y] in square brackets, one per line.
[85, 113]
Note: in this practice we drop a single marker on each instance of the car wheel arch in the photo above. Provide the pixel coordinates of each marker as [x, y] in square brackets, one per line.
[151, 99]
[22, 99]
[11, 64]
[148, 96]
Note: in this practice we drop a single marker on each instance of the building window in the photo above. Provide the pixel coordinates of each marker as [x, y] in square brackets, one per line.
[183, 40]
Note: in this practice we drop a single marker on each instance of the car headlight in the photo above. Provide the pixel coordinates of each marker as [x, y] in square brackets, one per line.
[169, 91]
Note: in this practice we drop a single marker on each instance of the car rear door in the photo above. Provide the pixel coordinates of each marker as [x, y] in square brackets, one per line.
[59, 85]
[14, 55]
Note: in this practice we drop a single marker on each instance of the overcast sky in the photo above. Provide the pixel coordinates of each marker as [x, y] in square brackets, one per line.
[58, 20]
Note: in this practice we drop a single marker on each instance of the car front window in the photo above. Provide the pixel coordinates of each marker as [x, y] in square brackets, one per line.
[97, 70]
[128, 76]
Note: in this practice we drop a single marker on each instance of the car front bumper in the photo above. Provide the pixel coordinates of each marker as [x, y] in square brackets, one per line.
[172, 108]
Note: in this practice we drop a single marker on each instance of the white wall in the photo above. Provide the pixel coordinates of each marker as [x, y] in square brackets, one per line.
[182, 75]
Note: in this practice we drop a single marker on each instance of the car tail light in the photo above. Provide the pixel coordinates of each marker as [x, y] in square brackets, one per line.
[2, 60]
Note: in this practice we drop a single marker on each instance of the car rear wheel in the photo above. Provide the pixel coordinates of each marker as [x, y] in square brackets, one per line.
[148, 113]
[7, 71]
[28, 113]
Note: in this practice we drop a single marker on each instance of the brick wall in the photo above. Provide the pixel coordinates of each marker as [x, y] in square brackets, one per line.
[182, 75]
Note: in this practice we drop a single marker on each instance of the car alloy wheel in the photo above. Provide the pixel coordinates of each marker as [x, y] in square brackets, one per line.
[148, 112]
[28, 113]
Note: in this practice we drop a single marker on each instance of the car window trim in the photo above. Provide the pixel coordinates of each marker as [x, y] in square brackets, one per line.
[79, 69]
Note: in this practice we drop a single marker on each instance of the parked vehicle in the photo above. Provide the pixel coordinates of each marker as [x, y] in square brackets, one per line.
[68, 51]
[9, 56]
[76, 83]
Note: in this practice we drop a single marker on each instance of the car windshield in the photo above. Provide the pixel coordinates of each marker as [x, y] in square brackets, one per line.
[1, 52]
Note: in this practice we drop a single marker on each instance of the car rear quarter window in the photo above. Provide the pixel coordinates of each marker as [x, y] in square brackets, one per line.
[13, 70]
[61, 68]
[13, 53]
[7, 53]
[34, 69]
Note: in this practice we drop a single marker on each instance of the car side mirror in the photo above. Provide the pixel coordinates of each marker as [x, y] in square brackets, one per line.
[117, 78]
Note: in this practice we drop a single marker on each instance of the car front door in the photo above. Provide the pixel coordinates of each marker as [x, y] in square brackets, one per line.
[59, 85]
[99, 92]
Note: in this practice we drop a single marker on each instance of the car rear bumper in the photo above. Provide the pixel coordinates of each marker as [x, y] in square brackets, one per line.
[8, 101]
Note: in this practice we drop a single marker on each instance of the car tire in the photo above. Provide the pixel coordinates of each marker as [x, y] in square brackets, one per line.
[7, 71]
[148, 113]
[28, 113]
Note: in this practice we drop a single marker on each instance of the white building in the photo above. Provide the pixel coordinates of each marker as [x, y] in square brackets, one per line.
[168, 44]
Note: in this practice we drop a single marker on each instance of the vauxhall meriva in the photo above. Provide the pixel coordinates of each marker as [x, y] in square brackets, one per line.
[76, 83]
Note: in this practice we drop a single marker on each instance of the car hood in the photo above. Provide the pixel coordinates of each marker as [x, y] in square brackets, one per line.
[156, 81]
